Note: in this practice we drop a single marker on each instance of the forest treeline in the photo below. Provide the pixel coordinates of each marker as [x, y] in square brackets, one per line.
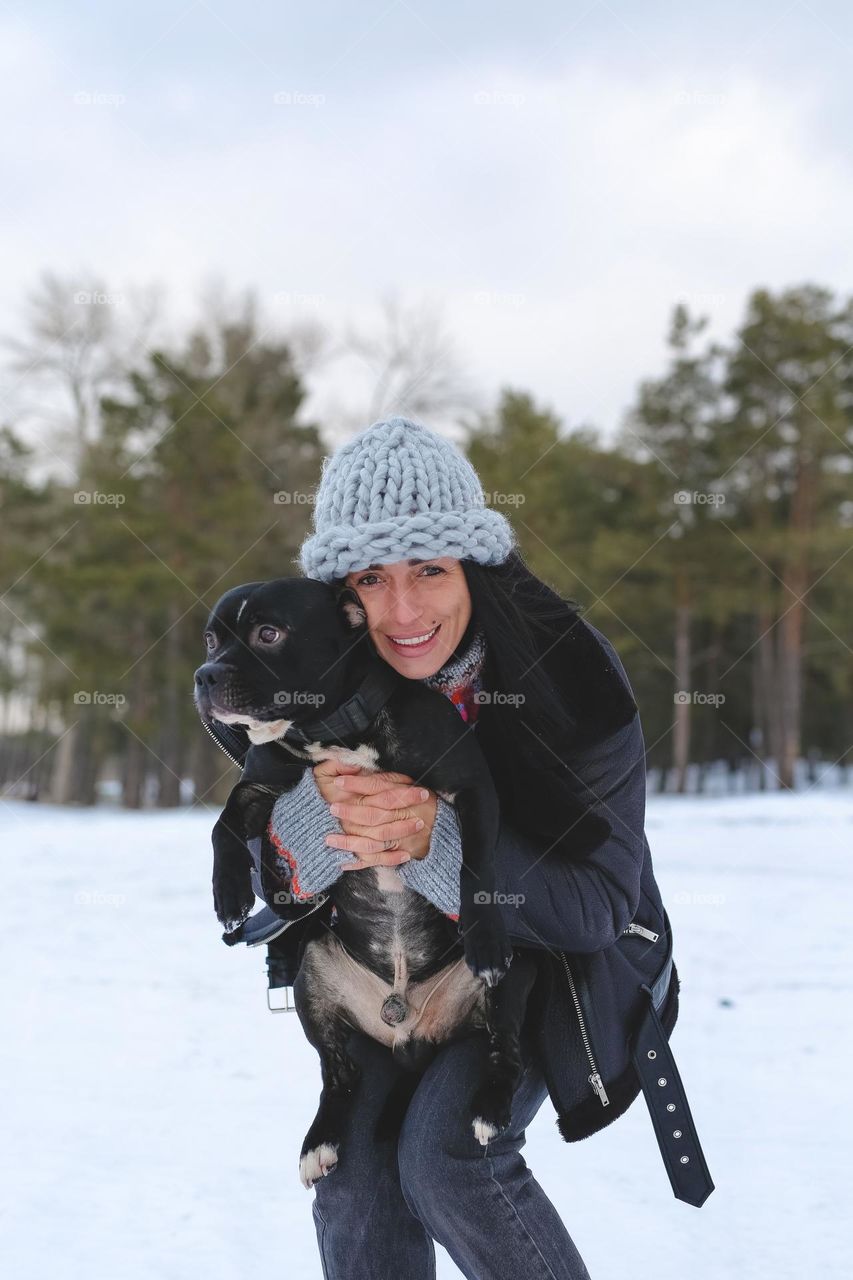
[709, 540]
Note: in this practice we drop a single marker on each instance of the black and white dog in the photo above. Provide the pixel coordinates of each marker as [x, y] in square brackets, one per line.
[393, 966]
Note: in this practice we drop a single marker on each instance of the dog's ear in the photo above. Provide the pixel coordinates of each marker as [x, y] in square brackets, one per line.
[351, 609]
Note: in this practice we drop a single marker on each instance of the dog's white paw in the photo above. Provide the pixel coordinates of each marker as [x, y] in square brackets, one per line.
[483, 1131]
[317, 1163]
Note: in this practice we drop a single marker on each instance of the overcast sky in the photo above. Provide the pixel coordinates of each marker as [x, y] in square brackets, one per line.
[555, 177]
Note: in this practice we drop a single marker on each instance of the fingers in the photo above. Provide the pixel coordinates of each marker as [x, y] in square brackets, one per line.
[330, 768]
[393, 798]
[334, 784]
[370, 852]
[370, 784]
[365, 815]
[393, 830]
[369, 848]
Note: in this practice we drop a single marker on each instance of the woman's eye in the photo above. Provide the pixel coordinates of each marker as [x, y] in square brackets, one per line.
[369, 578]
[268, 635]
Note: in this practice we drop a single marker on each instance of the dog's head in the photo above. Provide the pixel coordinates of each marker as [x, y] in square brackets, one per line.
[277, 654]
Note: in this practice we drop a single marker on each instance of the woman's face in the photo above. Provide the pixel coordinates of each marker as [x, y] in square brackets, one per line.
[426, 601]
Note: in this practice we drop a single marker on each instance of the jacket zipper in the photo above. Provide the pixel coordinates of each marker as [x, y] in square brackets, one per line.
[594, 1077]
[221, 745]
[642, 931]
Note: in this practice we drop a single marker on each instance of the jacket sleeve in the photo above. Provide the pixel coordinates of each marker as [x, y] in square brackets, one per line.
[547, 901]
[583, 905]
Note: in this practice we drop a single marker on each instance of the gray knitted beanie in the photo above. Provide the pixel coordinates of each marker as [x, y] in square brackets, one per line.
[398, 491]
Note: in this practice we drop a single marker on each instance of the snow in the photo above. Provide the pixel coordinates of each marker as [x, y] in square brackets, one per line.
[155, 1108]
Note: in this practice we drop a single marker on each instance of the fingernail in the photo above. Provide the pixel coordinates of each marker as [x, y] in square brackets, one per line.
[335, 809]
[424, 794]
[419, 824]
[407, 857]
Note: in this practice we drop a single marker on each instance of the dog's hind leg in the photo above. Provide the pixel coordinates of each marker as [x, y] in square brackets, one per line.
[506, 1003]
[325, 1028]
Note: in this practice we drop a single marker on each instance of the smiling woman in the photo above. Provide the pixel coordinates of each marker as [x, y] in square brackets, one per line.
[400, 524]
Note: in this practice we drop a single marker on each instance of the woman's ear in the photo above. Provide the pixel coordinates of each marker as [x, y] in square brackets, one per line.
[351, 609]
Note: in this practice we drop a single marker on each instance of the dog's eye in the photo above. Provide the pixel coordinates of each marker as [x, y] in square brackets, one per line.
[209, 640]
[268, 635]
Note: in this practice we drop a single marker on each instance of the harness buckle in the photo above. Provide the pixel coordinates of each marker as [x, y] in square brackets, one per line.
[287, 1006]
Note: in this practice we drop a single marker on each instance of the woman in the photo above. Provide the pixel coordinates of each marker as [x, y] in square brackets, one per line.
[400, 519]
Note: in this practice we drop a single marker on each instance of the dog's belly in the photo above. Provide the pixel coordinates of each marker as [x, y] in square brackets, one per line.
[437, 1007]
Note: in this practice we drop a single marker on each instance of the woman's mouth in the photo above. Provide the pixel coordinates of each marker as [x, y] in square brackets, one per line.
[412, 646]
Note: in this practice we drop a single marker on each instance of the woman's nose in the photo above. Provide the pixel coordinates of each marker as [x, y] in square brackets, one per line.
[404, 609]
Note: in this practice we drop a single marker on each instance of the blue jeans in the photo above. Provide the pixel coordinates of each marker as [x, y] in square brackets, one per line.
[379, 1211]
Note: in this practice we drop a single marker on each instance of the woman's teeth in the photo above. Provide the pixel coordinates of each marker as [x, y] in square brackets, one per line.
[415, 640]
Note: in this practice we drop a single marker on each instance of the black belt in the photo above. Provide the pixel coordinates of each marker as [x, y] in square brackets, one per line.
[665, 1096]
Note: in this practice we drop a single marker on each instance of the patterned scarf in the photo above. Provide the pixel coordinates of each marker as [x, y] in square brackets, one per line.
[460, 679]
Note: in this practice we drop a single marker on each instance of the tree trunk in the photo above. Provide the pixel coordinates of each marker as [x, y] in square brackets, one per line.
[795, 575]
[170, 753]
[683, 684]
[62, 781]
[768, 677]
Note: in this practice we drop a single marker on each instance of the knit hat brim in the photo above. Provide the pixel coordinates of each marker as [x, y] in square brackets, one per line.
[480, 534]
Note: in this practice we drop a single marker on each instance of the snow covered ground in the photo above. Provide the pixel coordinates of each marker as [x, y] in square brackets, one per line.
[154, 1108]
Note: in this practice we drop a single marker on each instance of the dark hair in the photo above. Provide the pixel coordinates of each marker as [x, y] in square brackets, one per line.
[525, 732]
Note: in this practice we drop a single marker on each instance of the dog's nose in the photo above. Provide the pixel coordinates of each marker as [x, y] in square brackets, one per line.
[207, 675]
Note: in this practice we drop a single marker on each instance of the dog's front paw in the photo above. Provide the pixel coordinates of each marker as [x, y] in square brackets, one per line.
[317, 1162]
[233, 899]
